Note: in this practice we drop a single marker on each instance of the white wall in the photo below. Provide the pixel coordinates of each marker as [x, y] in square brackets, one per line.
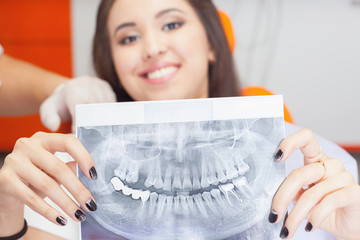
[83, 18]
[307, 50]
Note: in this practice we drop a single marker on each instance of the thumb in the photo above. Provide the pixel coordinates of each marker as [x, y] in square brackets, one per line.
[53, 110]
[49, 115]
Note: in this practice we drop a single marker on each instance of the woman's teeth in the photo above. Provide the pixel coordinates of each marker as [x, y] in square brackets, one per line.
[161, 72]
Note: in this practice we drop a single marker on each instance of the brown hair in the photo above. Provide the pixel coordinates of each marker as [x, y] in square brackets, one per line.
[222, 76]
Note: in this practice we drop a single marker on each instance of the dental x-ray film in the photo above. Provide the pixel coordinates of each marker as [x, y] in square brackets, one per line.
[183, 169]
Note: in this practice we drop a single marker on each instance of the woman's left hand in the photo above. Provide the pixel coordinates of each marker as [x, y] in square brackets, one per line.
[331, 200]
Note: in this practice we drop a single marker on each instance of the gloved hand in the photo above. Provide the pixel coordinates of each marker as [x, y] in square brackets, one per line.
[60, 105]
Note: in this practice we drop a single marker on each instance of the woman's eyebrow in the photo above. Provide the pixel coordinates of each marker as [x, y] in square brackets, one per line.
[128, 24]
[166, 11]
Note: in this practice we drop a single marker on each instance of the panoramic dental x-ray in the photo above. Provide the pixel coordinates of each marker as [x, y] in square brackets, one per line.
[205, 172]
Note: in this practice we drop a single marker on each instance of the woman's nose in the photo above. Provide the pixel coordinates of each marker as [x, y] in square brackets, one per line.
[154, 46]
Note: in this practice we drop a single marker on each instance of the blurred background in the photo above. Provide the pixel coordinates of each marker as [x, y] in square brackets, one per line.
[306, 50]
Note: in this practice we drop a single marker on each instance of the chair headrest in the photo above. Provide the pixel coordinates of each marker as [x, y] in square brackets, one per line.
[227, 26]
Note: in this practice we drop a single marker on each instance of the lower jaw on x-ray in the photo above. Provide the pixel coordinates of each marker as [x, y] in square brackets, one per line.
[189, 180]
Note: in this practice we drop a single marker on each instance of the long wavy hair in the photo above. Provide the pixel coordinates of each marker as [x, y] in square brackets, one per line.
[223, 81]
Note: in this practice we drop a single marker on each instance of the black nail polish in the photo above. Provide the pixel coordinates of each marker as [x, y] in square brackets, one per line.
[80, 215]
[308, 227]
[91, 205]
[278, 155]
[93, 173]
[60, 220]
[273, 216]
[285, 217]
[284, 233]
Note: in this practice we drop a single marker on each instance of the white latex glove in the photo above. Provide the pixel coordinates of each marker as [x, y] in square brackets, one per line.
[60, 105]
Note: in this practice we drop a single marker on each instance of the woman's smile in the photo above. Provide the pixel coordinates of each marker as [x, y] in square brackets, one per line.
[160, 73]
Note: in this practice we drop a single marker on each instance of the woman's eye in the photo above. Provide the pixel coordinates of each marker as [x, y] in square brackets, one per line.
[128, 40]
[171, 26]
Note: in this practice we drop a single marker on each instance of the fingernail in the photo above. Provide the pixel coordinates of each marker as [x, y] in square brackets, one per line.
[308, 227]
[273, 216]
[80, 215]
[284, 233]
[285, 218]
[91, 205]
[60, 220]
[93, 173]
[278, 155]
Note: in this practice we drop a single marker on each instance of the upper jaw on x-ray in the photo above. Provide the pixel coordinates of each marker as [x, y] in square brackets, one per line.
[184, 180]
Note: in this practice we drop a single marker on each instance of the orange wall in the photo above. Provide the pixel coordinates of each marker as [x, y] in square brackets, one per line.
[37, 31]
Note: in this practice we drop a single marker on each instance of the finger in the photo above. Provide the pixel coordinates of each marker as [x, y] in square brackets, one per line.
[70, 144]
[72, 166]
[348, 196]
[293, 185]
[49, 115]
[26, 195]
[304, 140]
[311, 197]
[48, 186]
[54, 167]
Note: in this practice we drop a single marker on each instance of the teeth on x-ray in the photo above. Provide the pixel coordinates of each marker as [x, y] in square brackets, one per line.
[167, 179]
[196, 180]
[216, 179]
[226, 189]
[186, 185]
[135, 194]
[176, 179]
[192, 175]
[209, 202]
[216, 194]
[224, 193]
[242, 167]
[117, 183]
[200, 204]
[204, 175]
[183, 204]
[144, 195]
[242, 187]
[160, 205]
[132, 175]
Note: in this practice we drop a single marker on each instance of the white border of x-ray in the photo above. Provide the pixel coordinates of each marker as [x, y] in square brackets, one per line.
[179, 110]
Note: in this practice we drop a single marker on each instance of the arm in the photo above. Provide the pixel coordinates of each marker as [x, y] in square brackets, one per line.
[24, 86]
[11, 223]
[34, 233]
[28, 89]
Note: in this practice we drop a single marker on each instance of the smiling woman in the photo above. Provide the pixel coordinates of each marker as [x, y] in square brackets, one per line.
[174, 50]
[162, 46]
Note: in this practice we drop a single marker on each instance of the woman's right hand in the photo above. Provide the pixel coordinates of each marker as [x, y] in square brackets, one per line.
[32, 172]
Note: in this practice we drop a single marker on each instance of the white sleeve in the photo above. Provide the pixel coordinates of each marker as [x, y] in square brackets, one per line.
[1, 50]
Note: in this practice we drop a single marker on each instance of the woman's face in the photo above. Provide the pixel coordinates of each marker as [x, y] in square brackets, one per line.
[160, 49]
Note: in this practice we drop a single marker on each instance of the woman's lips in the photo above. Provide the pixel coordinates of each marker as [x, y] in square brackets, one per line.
[160, 75]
